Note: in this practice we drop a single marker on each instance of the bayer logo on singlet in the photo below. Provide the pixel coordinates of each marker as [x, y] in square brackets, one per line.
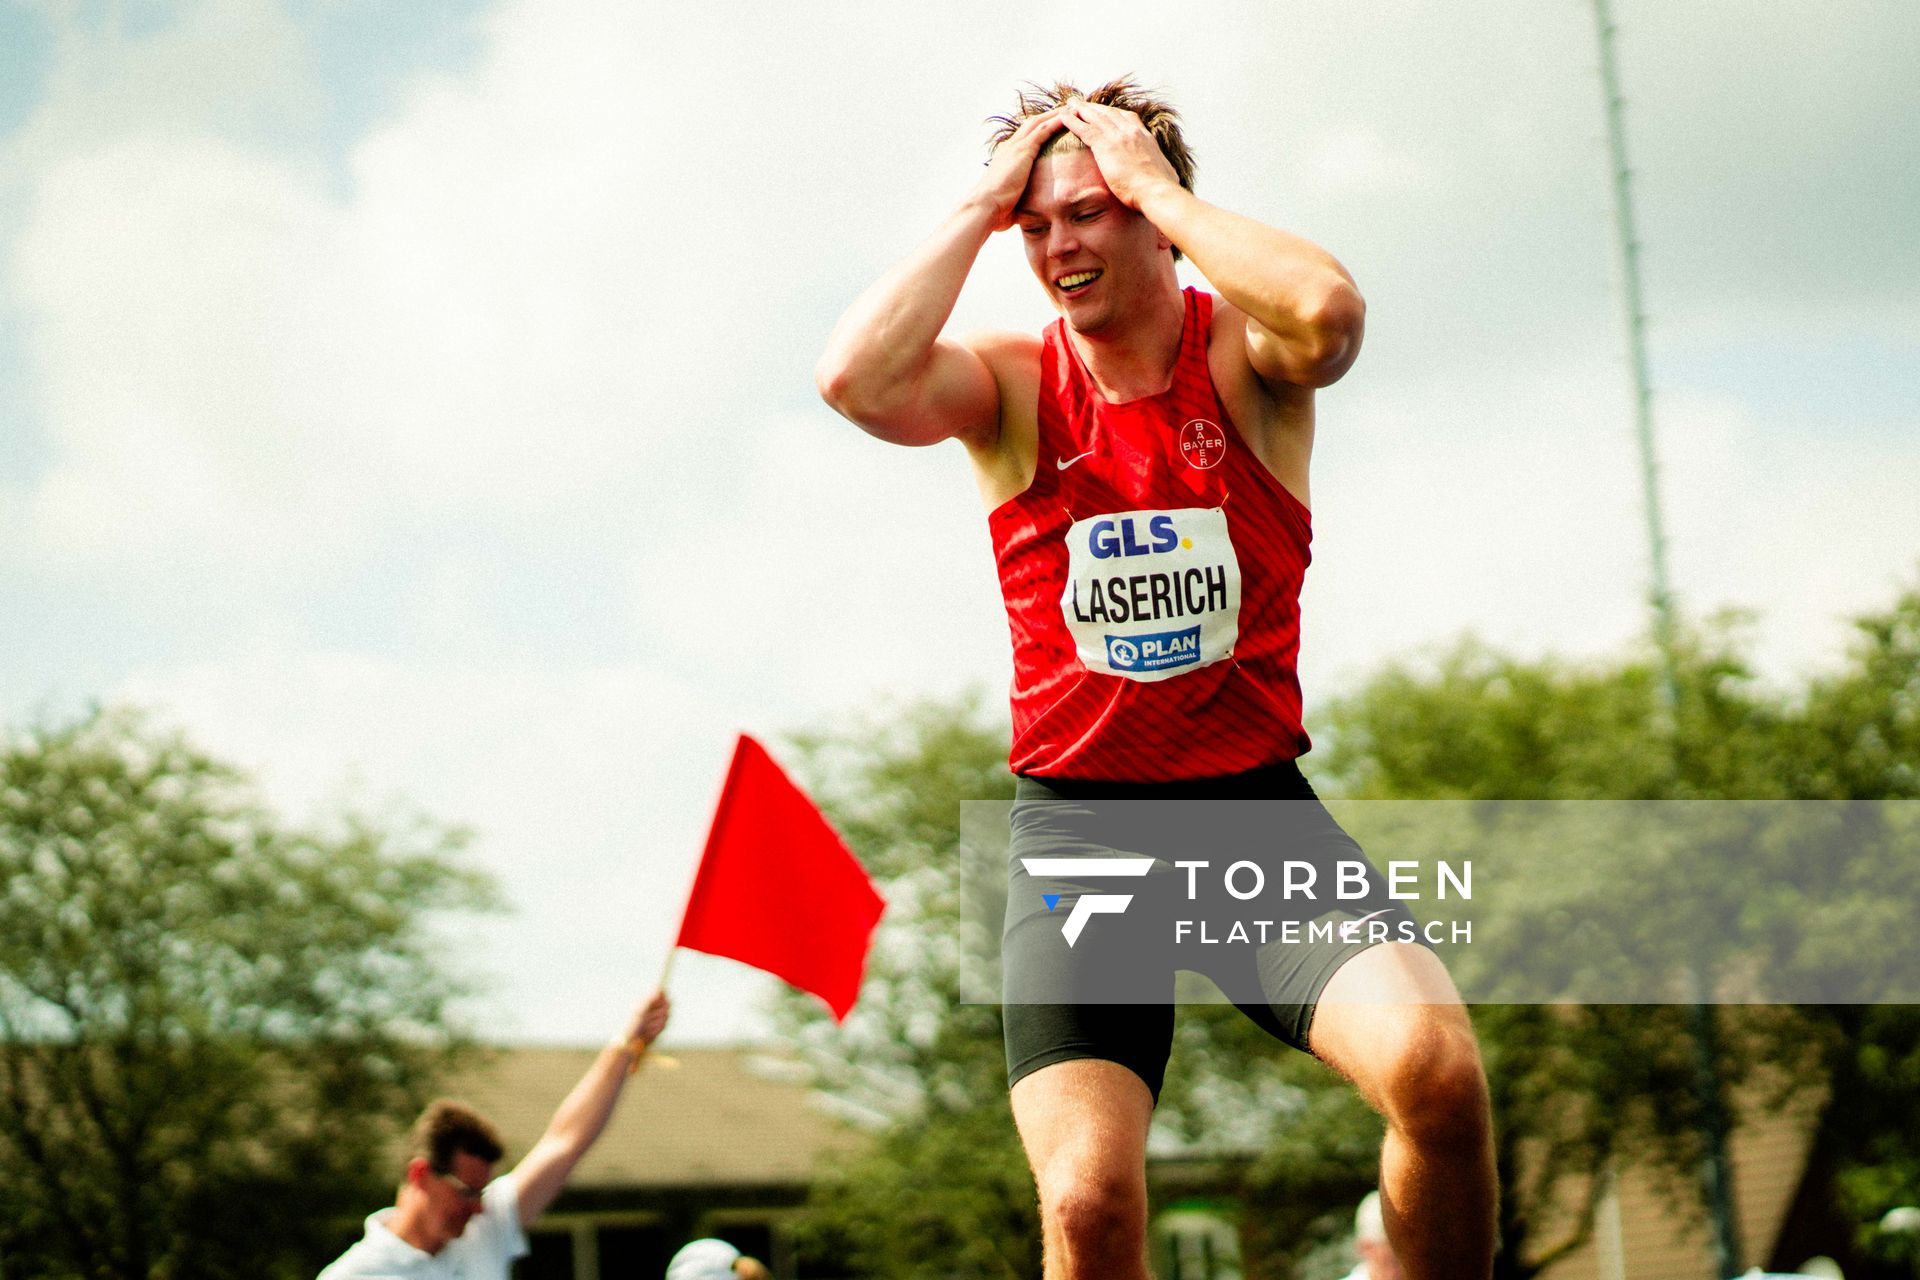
[1203, 443]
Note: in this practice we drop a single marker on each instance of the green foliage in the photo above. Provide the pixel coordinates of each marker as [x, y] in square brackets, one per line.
[1577, 1087]
[1859, 730]
[1476, 724]
[944, 1193]
[1871, 1056]
[209, 1021]
[1573, 1088]
[1861, 734]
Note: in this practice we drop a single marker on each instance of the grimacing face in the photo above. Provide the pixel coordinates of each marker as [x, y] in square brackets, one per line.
[1095, 257]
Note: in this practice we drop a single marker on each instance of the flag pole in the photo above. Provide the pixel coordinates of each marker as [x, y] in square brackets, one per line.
[666, 969]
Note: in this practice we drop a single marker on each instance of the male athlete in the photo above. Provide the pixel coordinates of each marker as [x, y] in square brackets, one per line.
[1144, 466]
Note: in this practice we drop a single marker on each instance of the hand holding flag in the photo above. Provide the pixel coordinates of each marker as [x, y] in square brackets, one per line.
[645, 1026]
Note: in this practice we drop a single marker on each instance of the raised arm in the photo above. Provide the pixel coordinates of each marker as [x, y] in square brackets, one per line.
[584, 1113]
[886, 367]
[1305, 318]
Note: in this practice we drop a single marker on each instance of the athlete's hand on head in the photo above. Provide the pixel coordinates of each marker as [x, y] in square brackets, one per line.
[1129, 159]
[1005, 180]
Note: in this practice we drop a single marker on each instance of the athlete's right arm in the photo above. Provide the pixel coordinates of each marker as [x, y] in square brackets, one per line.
[886, 367]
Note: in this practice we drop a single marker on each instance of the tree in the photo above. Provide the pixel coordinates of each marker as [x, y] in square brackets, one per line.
[1577, 1088]
[210, 1021]
[1858, 731]
[1568, 1083]
[1859, 739]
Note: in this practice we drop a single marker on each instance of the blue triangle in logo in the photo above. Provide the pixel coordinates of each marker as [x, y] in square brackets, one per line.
[1051, 899]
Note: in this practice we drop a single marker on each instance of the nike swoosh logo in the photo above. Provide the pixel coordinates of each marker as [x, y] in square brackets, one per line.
[1064, 463]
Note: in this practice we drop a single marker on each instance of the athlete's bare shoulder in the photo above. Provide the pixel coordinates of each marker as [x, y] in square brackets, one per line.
[1276, 420]
[1003, 466]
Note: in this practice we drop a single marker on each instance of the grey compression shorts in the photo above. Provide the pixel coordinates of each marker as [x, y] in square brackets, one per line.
[1110, 994]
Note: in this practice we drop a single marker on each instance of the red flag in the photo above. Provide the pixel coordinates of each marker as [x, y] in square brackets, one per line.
[777, 889]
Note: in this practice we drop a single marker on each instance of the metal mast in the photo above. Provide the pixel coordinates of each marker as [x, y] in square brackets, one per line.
[1659, 597]
[1716, 1165]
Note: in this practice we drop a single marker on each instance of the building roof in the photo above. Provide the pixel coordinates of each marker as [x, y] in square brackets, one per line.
[691, 1117]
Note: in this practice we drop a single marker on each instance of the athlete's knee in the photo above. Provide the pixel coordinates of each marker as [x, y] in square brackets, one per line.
[1433, 1086]
[1096, 1211]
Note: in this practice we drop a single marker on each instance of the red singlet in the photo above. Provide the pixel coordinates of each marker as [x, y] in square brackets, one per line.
[1152, 577]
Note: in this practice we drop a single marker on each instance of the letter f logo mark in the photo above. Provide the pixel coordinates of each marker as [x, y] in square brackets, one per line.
[1089, 904]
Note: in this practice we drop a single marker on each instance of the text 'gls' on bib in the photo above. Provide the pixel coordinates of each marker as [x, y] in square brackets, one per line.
[1152, 594]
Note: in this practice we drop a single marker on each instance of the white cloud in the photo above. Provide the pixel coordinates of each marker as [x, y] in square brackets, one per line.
[852, 568]
[229, 67]
[1809, 533]
[1504, 505]
[158, 347]
[1352, 163]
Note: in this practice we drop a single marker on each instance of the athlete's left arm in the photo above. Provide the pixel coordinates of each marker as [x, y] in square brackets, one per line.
[1305, 318]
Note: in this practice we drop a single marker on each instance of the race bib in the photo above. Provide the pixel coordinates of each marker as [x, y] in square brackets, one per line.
[1152, 594]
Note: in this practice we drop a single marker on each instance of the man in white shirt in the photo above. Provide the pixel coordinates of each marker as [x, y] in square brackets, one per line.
[451, 1218]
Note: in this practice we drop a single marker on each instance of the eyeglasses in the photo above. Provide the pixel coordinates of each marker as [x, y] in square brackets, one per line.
[471, 1194]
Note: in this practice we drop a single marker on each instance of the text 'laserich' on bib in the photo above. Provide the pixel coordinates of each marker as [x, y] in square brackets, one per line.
[1152, 594]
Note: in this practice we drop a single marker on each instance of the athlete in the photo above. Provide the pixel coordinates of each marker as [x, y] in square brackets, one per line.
[1144, 466]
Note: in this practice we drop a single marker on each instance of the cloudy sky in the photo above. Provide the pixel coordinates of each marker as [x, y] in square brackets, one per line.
[414, 399]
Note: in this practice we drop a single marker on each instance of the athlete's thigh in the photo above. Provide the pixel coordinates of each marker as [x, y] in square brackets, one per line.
[1084, 1124]
[1307, 938]
[1386, 1004]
